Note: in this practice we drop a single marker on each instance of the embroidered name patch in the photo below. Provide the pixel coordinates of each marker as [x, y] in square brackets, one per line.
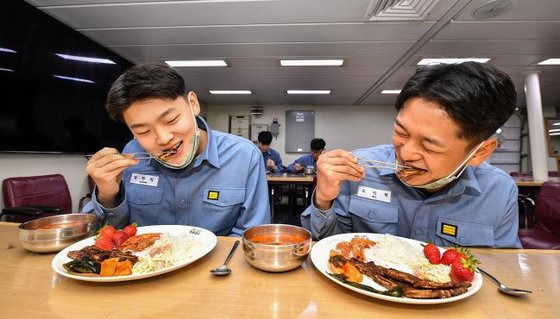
[142, 179]
[448, 229]
[375, 194]
[213, 195]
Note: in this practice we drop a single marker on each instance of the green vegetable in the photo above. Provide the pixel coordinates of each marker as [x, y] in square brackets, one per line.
[83, 266]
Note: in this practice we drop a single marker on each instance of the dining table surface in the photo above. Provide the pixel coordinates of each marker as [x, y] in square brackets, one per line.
[29, 288]
[530, 182]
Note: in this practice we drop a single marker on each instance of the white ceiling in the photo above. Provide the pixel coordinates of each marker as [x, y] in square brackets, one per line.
[253, 34]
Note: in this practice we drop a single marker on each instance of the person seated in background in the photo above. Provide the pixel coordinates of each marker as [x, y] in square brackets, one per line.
[271, 158]
[195, 176]
[309, 160]
[447, 194]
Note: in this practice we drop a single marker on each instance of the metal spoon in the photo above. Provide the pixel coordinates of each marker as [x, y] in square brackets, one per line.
[504, 289]
[224, 270]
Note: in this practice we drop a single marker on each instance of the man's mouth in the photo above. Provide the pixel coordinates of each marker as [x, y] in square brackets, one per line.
[170, 151]
[410, 170]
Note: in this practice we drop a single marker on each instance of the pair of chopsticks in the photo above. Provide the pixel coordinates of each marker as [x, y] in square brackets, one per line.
[380, 164]
[137, 155]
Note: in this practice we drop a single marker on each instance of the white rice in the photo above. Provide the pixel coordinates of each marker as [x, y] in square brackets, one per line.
[393, 252]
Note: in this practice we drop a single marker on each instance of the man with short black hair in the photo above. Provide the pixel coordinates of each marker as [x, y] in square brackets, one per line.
[187, 174]
[309, 160]
[272, 159]
[437, 186]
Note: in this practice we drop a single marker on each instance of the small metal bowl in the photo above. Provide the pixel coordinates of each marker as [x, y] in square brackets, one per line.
[276, 247]
[54, 233]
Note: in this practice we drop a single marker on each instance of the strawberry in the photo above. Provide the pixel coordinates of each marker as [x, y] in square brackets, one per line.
[107, 231]
[104, 243]
[130, 230]
[450, 256]
[463, 270]
[119, 238]
[432, 253]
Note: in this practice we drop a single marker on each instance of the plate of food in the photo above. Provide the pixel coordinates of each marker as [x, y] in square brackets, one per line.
[152, 251]
[397, 269]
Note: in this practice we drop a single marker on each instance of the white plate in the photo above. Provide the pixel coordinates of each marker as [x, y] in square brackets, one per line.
[206, 239]
[320, 257]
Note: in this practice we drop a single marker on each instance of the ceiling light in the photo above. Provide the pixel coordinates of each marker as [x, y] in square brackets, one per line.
[554, 134]
[324, 62]
[451, 60]
[196, 63]
[7, 50]
[553, 61]
[230, 92]
[309, 91]
[6, 70]
[84, 59]
[554, 130]
[73, 79]
[556, 123]
[390, 91]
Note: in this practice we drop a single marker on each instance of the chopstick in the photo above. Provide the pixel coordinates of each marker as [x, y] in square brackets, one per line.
[381, 164]
[137, 155]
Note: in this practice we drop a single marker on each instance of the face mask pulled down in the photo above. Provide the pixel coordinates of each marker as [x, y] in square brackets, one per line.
[439, 183]
[191, 152]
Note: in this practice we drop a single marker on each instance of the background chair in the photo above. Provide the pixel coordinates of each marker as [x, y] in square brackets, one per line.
[31, 197]
[545, 234]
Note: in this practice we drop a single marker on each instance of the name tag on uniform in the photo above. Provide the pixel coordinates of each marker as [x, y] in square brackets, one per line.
[375, 194]
[142, 179]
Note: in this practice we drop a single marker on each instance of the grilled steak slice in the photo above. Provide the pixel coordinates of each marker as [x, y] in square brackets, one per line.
[440, 285]
[115, 253]
[433, 293]
[385, 272]
[91, 252]
[99, 255]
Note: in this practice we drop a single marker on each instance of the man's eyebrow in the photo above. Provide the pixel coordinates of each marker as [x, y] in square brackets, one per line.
[162, 115]
[425, 138]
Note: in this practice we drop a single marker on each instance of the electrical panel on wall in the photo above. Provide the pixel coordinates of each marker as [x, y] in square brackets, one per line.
[240, 125]
[300, 130]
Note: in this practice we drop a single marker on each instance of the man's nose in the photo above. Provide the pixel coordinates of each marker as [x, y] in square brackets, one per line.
[163, 136]
[409, 151]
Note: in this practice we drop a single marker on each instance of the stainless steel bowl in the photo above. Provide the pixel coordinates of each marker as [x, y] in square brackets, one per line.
[276, 247]
[308, 171]
[54, 233]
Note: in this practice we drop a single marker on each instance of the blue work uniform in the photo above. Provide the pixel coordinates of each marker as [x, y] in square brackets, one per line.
[305, 161]
[275, 157]
[477, 209]
[223, 190]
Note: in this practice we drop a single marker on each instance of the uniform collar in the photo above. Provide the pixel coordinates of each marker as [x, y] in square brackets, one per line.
[210, 152]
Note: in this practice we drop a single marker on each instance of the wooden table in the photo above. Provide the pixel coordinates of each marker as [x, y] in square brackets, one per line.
[29, 288]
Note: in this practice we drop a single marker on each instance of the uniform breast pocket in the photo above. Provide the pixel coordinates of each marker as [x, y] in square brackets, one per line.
[219, 200]
[373, 216]
[144, 201]
[464, 233]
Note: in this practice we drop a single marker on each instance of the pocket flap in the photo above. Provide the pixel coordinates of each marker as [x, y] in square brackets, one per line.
[143, 195]
[465, 233]
[373, 210]
[224, 196]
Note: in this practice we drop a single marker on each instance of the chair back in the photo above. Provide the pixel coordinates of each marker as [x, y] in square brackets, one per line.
[547, 209]
[44, 190]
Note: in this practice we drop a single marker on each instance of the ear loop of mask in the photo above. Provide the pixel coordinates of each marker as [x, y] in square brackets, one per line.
[449, 178]
[192, 147]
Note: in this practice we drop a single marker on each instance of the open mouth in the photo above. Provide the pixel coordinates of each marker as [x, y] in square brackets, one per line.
[170, 152]
[408, 171]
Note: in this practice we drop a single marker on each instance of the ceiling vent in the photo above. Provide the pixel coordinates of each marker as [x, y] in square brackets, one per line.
[400, 10]
[257, 110]
[491, 9]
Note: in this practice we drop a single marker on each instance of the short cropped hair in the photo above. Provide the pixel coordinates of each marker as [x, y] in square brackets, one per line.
[318, 144]
[265, 137]
[478, 96]
[142, 82]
